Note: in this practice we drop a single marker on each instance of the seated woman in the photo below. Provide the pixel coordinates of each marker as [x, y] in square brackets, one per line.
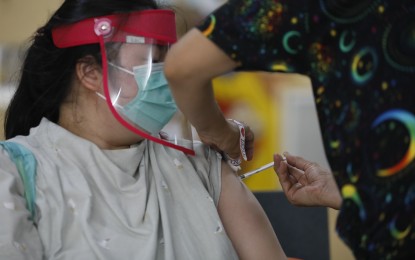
[86, 116]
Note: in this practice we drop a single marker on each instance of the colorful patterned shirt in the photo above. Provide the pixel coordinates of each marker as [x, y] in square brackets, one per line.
[360, 56]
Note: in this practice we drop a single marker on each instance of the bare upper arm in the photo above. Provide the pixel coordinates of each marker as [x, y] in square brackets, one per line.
[245, 221]
[196, 56]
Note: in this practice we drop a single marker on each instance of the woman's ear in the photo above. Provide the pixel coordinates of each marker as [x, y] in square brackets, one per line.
[89, 73]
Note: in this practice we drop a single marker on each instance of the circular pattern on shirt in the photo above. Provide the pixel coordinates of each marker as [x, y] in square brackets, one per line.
[364, 65]
[399, 42]
[347, 11]
[212, 24]
[347, 41]
[393, 142]
[400, 226]
[292, 42]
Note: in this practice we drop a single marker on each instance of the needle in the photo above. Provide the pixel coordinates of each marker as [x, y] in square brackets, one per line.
[260, 169]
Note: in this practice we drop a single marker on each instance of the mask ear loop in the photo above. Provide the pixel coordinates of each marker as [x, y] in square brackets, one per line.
[103, 28]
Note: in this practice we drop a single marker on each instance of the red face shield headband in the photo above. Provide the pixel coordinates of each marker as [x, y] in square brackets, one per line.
[135, 27]
[157, 24]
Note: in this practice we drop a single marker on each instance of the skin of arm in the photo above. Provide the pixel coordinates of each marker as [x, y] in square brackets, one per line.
[306, 183]
[245, 221]
[189, 67]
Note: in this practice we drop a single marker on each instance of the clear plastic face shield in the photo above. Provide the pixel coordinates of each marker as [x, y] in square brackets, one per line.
[133, 47]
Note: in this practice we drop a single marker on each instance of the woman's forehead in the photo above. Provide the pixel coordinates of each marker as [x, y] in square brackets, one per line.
[139, 49]
[138, 52]
[128, 49]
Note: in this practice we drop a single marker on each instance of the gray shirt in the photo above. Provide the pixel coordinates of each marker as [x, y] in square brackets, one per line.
[145, 202]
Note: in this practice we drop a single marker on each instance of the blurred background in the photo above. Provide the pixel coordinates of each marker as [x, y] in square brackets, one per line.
[278, 107]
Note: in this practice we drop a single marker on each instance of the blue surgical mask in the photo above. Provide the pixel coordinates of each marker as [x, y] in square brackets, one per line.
[153, 106]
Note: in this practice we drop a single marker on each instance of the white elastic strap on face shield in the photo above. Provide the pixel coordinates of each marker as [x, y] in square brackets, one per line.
[113, 103]
[121, 68]
[153, 67]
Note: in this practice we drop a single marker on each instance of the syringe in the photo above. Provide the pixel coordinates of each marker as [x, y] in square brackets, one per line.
[260, 169]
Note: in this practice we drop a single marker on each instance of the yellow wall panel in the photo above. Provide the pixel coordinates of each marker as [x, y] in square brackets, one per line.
[246, 97]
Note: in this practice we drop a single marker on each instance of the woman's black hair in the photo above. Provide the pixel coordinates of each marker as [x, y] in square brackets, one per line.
[47, 71]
